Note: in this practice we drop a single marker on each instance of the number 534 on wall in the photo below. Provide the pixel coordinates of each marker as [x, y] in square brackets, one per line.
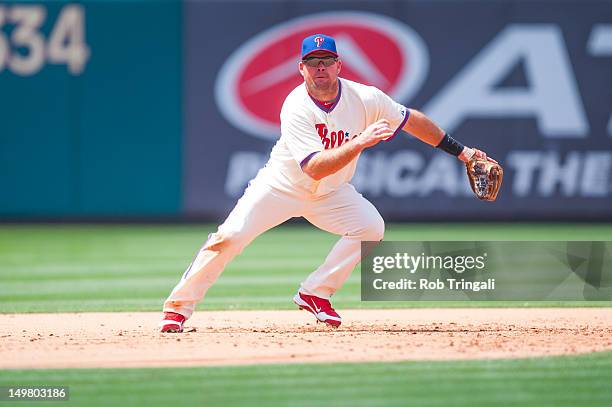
[25, 50]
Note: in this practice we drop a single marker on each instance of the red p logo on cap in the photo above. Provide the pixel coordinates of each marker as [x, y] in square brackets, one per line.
[319, 41]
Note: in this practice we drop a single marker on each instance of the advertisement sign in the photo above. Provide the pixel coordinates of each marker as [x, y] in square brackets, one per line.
[527, 87]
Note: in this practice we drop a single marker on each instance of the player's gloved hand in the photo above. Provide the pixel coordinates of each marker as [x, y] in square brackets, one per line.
[484, 173]
[375, 133]
[468, 153]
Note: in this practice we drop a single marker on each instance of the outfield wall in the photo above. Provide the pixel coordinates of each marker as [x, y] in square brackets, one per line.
[168, 109]
[90, 109]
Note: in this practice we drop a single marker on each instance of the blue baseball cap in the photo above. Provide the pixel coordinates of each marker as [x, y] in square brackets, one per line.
[318, 42]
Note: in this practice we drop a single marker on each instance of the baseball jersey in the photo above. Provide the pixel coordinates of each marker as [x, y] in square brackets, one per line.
[308, 127]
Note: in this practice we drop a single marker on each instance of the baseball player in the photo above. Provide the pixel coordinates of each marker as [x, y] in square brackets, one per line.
[326, 122]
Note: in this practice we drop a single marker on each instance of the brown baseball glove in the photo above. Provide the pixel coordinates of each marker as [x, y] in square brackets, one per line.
[485, 178]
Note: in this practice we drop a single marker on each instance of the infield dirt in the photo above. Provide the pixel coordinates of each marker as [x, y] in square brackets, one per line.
[253, 337]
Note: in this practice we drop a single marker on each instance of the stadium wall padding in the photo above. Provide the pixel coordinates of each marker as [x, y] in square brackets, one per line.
[176, 106]
[104, 139]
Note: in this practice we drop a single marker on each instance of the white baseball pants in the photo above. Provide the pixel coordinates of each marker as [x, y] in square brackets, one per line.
[344, 212]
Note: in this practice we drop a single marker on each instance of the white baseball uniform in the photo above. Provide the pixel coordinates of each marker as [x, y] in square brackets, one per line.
[281, 190]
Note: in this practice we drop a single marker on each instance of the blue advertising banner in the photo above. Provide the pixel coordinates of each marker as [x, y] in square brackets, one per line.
[528, 82]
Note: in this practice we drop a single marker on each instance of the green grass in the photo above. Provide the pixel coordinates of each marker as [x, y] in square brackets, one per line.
[53, 268]
[60, 268]
[559, 381]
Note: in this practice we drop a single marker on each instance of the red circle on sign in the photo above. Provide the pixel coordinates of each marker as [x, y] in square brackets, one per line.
[375, 50]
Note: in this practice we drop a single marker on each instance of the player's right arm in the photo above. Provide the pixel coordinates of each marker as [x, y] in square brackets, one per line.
[327, 162]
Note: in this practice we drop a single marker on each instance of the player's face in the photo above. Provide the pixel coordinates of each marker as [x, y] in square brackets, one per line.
[320, 71]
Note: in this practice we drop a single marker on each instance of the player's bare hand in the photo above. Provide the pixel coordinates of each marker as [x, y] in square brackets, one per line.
[375, 133]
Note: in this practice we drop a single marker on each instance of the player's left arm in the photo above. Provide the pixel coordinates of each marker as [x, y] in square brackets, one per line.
[423, 128]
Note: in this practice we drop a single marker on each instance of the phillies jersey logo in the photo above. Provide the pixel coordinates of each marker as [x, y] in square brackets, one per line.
[319, 41]
[257, 77]
[333, 139]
